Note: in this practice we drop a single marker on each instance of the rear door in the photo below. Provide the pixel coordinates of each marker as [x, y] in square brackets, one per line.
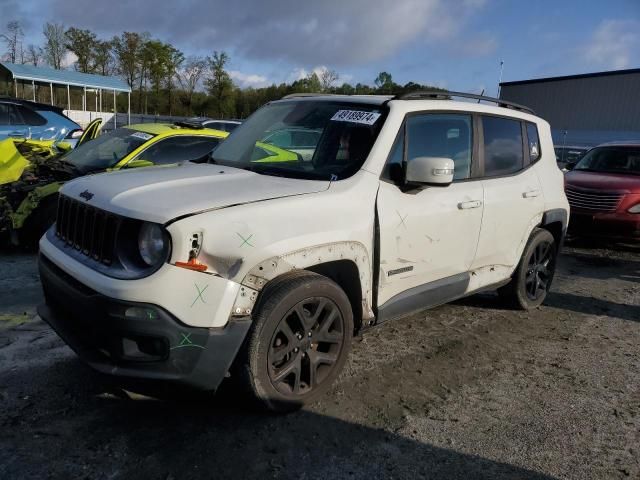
[513, 201]
[429, 235]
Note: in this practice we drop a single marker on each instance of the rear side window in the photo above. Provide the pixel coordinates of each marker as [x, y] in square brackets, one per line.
[442, 135]
[14, 116]
[534, 142]
[503, 152]
[179, 149]
[30, 117]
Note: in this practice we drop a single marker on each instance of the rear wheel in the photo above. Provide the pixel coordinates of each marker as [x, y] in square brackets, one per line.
[298, 343]
[532, 279]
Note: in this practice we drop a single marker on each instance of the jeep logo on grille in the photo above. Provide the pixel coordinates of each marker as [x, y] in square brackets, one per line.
[87, 195]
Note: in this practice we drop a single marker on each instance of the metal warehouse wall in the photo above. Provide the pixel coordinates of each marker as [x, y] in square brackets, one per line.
[600, 102]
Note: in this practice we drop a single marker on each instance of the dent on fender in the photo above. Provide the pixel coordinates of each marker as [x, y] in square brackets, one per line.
[255, 280]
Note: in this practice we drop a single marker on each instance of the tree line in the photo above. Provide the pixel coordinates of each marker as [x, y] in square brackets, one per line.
[164, 80]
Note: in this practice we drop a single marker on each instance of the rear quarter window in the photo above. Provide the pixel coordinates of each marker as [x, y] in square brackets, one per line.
[534, 142]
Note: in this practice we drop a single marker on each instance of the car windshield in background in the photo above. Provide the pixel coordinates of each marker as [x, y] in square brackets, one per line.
[306, 139]
[106, 150]
[624, 160]
[566, 155]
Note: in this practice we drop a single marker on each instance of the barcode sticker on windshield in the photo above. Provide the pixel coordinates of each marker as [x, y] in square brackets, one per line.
[142, 135]
[356, 116]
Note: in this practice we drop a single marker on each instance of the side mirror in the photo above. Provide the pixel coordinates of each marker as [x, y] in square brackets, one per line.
[138, 163]
[430, 170]
[570, 165]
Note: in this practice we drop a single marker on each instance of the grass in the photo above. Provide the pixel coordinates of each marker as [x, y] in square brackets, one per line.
[11, 320]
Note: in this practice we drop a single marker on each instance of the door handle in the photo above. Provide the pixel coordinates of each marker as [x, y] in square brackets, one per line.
[469, 204]
[531, 194]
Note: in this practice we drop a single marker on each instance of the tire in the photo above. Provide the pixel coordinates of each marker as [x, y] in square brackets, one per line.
[532, 279]
[289, 360]
[38, 223]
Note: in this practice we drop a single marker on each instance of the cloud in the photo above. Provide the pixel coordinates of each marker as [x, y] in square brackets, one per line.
[332, 32]
[249, 79]
[476, 46]
[614, 44]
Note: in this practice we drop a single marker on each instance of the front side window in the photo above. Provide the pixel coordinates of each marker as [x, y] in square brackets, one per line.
[442, 135]
[106, 150]
[503, 152]
[179, 149]
[345, 132]
[622, 159]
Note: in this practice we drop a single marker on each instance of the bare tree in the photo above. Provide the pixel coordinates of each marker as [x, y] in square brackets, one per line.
[54, 47]
[328, 78]
[189, 76]
[13, 41]
[33, 55]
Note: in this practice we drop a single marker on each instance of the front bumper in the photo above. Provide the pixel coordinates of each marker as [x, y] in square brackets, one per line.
[136, 340]
[610, 226]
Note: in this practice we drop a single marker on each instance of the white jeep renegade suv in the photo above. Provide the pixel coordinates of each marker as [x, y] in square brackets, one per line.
[262, 265]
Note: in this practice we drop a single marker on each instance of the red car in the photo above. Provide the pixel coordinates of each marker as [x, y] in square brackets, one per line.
[603, 190]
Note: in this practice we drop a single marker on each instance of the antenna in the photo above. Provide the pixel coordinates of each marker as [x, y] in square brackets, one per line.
[500, 79]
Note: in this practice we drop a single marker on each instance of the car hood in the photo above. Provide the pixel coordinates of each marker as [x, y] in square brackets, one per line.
[603, 181]
[162, 194]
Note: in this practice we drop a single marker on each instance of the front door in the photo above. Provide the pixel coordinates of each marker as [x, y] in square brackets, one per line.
[428, 234]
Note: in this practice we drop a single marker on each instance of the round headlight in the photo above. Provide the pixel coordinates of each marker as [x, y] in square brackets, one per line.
[152, 243]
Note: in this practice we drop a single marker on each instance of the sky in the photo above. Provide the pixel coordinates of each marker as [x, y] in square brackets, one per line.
[453, 44]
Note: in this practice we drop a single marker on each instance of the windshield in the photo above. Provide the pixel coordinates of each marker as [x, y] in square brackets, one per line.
[304, 139]
[106, 150]
[569, 154]
[624, 160]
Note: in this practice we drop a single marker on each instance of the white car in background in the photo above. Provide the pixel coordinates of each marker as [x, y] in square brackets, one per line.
[222, 125]
[265, 268]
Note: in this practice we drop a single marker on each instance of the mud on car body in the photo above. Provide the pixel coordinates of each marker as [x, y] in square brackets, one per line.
[265, 270]
[28, 197]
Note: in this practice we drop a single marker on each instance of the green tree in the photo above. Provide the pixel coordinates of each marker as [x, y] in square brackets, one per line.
[127, 48]
[219, 84]
[103, 57]
[82, 43]
[383, 80]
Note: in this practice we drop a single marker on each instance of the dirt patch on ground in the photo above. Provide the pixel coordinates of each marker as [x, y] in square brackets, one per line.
[468, 390]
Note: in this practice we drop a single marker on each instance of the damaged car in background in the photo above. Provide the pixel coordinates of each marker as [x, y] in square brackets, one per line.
[31, 173]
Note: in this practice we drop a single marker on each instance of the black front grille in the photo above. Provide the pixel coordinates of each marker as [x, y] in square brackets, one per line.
[87, 229]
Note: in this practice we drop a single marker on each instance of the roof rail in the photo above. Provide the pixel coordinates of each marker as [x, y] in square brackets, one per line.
[295, 95]
[445, 95]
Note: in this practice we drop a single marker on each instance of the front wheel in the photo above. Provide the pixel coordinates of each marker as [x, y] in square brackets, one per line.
[298, 343]
[532, 279]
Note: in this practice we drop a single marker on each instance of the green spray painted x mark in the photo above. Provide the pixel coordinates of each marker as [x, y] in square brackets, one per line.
[186, 342]
[200, 292]
[245, 241]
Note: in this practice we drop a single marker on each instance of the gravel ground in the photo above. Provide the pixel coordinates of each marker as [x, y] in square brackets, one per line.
[468, 390]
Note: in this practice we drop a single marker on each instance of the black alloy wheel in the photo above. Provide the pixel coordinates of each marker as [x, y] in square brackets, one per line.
[306, 346]
[538, 275]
